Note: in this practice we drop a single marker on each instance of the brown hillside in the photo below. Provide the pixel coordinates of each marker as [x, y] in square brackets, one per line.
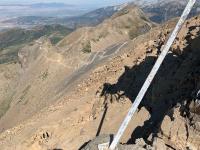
[126, 24]
[45, 72]
[167, 119]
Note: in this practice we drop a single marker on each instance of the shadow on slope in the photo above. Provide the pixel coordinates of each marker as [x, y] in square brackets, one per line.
[173, 84]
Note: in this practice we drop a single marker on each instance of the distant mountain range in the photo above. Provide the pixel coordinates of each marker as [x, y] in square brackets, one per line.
[90, 19]
[9, 11]
[158, 11]
[161, 10]
[50, 5]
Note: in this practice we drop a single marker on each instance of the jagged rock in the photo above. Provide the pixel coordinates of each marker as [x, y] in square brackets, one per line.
[166, 126]
[93, 145]
[194, 107]
[159, 144]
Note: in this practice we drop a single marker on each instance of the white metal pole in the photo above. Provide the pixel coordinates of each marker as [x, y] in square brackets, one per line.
[152, 75]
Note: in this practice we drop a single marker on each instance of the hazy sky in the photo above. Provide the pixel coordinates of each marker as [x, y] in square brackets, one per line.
[76, 2]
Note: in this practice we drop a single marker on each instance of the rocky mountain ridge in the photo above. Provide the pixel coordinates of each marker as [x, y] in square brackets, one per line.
[48, 71]
[168, 117]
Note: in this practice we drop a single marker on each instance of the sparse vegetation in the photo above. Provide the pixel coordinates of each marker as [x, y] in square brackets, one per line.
[10, 54]
[87, 47]
[45, 75]
[56, 39]
[13, 40]
[19, 36]
[133, 33]
[101, 35]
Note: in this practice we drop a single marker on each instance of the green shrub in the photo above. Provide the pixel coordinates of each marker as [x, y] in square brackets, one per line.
[55, 40]
[87, 47]
[132, 33]
[45, 75]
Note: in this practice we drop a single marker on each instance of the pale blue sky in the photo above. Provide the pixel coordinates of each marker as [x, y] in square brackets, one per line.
[76, 2]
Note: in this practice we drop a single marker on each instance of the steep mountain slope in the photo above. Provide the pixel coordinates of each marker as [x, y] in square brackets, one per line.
[48, 72]
[92, 18]
[124, 25]
[167, 119]
[20, 36]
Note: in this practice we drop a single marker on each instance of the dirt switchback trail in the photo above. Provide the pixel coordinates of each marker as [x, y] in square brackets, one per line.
[93, 62]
